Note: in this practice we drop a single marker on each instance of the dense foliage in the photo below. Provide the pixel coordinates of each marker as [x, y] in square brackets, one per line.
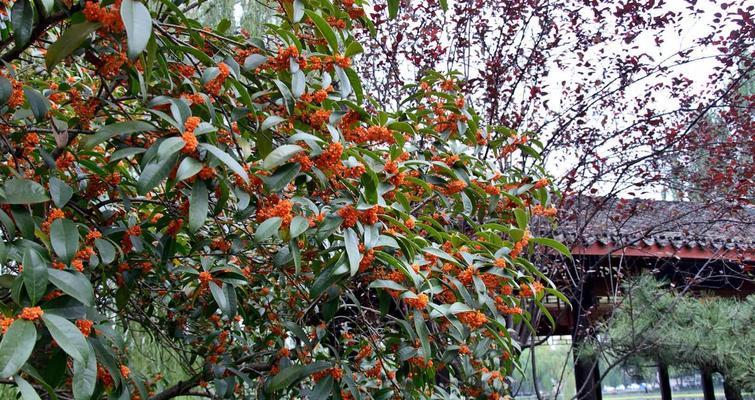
[241, 201]
[660, 325]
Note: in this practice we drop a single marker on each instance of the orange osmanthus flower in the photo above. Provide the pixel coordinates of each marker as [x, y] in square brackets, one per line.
[31, 313]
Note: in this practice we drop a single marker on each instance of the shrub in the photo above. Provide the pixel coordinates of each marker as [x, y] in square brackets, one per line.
[243, 202]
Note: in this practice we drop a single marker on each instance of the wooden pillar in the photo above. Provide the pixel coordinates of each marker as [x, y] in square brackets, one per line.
[583, 378]
[730, 391]
[586, 371]
[707, 379]
[596, 381]
[664, 381]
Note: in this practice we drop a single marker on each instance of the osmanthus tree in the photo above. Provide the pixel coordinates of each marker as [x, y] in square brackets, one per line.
[241, 201]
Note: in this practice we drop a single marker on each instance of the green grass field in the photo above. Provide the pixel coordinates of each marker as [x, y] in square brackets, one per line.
[685, 395]
[652, 396]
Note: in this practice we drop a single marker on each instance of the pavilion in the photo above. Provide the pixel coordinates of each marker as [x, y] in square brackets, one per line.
[708, 247]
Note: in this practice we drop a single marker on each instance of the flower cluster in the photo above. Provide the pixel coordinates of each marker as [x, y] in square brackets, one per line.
[279, 208]
[31, 313]
[213, 86]
[190, 141]
[109, 17]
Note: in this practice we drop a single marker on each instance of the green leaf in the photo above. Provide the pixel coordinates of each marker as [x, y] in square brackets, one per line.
[440, 254]
[6, 89]
[68, 42]
[288, 97]
[26, 389]
[75, 285]
[188, 168]
[120, 128]
[516, 234]
[356, 84]
[198, 205]
[298, 332]
[271, 121]
[387, 284]
[39, 104]
[105, 249]
[281, 177]
[68, 336]
[522, 219]
[353, 49]
[401, 127]
[33, 373]
[254, 61]
[393, 8]
[230, 294]
[370, 184]
[344, 84]
[281, 155]
[226, 159]
[299, 225]
[24, 221]
[223, 26]
[84, 378]
[351, 241]
[423, 334]
[323, 389]
[554, 244]
[34, 274]
[22, 19]
[64, 237]
[325, 30]
[225, 297]
[154, 173]
[138, 24]
[264, 144]
[267, 228]
[324, 279]
[60, 192]
[293, 248]
[48, 5]
[16, 347]
[288, 376]
[209, 74]
[169, 147]
[298, 83]
[23, 191]
[127, 152]
[298, 10]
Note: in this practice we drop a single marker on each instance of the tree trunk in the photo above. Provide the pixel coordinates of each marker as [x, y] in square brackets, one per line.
[706, 376]
[664, 381]
[732, 392]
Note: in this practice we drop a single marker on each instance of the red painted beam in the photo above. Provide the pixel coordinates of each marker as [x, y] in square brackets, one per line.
[669, 251]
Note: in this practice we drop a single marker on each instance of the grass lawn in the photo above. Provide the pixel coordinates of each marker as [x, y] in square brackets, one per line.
[676, 395]
[657, 395]
[688, 395]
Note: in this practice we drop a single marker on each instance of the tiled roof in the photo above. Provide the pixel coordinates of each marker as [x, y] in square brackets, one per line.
[621, 222]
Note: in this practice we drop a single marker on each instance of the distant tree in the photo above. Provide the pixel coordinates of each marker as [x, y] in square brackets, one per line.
[720, 163]
[614, 89]
[247, 15]
[658, 324]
